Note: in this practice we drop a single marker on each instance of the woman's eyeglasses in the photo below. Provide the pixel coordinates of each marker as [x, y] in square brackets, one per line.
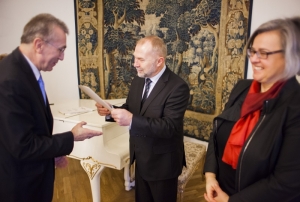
[261, 54]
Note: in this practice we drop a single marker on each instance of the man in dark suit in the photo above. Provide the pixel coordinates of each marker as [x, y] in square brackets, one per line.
[156, 123]
[28, 150]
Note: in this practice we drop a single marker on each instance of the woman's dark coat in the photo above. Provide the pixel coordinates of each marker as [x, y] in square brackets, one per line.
[269, 164]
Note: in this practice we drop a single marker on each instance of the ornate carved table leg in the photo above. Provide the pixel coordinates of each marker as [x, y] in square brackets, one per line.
[94, 170]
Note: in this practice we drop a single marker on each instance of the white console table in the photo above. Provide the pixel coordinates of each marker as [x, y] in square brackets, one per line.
[108, 150]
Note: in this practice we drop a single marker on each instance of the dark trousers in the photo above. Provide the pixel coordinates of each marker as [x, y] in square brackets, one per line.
[155, 191]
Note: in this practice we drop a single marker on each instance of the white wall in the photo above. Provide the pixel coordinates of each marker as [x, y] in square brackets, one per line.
[62, 82]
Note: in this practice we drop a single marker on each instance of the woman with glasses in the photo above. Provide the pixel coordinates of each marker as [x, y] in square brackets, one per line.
[253, 153]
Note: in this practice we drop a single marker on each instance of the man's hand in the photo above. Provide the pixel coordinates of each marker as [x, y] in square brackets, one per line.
[102, 111]
[61, 162]
[81, 133]
[122, 116]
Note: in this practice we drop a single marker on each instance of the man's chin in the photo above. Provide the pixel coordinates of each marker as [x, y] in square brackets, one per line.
[141, 75]
[48, 69]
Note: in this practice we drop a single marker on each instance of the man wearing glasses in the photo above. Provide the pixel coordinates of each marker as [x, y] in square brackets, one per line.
[28, 150]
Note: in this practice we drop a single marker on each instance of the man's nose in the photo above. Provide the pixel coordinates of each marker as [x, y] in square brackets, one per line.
[61, 56]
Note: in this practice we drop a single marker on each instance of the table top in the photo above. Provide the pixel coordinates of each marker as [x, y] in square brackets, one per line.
[91, 117]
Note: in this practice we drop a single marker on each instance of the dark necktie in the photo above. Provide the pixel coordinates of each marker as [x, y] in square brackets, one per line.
[145, 95]
[42, 87]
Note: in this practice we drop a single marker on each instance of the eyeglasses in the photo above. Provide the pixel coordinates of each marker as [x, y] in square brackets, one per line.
[61, 50]
[261, 54]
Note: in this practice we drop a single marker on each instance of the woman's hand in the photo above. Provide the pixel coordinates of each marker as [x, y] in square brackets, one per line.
[213, 191]
[221, 196]
[211, 184]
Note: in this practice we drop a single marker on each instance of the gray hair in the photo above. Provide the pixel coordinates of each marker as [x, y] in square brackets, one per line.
[42, 26]
[289, 30]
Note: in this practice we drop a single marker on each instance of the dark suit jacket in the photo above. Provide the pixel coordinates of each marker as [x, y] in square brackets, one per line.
[27, 147]
[156, 134]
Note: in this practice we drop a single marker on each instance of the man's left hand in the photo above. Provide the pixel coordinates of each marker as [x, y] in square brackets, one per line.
[122, 116]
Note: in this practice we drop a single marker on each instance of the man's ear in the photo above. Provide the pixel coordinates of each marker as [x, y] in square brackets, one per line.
[38, 45]
[160, 61]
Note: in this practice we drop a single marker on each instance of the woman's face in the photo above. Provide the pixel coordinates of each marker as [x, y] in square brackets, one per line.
[269, 70]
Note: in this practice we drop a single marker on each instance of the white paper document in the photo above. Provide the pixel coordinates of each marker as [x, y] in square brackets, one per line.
[87, 90]
[75, 111]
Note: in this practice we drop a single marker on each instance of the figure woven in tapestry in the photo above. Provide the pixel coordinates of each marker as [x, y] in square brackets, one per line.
[206, 47]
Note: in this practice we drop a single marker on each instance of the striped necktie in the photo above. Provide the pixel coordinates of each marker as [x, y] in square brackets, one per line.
[145, 95]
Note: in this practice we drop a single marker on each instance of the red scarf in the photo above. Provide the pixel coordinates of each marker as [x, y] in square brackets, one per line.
[250, 114]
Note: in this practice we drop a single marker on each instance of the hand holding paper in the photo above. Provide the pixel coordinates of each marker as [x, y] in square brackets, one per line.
[87, 90]
[102, 111]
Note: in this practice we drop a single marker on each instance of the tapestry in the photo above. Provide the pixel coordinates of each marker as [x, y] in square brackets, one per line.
[206, 42]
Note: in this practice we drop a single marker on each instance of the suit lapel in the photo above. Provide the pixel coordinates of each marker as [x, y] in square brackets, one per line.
[25, 67]
[137, 91]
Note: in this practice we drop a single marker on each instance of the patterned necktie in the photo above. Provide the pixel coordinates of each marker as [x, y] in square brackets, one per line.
[42, 87]
[145, 95]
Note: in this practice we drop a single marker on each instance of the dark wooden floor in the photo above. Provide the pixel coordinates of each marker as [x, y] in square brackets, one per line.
[72, 185]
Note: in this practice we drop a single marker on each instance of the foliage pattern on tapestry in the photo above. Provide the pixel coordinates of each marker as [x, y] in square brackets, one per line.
[206, 47]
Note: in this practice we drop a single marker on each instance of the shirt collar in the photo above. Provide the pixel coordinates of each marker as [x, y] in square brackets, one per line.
[35, 70]
[157, 76]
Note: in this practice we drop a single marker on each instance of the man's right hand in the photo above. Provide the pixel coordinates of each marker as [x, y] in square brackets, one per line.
[81, 133]
[102, 111]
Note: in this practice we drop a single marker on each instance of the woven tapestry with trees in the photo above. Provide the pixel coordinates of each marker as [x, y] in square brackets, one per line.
[206, 47]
